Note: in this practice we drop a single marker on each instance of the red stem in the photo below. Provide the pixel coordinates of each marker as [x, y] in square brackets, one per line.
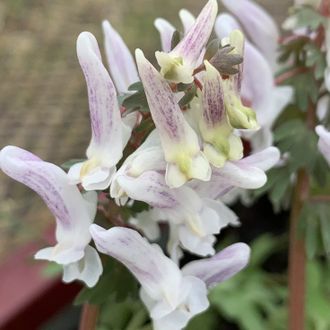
[89, 317]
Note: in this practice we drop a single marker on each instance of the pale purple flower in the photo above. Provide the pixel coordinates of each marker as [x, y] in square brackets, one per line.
[178, 64]
[179, 141]
[258, 87]
[261, 28]
[171, 296]
[72, 212]
[219, 141]
[121, 62]
[110, 133]
[166, 29]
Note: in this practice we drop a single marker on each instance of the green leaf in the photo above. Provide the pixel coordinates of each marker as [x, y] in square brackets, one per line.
[225, 61]
[212, 48]
[207, 320]
[133, 102]
[115, 283]
[176, 37]
[307, 17]
[252, 297]
[190, 93]
[137, 86]
[67, 165]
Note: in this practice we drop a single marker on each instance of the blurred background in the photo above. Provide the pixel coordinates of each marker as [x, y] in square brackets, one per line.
[43, 98]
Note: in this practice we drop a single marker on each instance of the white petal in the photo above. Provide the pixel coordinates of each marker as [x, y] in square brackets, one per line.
[98, 179]
[188, 20]
[264, 159]
[225, 24]
[179, 141]
[166, 31]
[226, 215]
[106, 142]
[120, 60]
[157, 274]
[259, 25]
[88, 269]
[63, 200]
[222, 266]
[150, 187]
[74, 173]
[248, 177]
[191, 46]
[145, 222]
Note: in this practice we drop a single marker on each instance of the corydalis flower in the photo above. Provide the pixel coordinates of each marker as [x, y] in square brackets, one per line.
[172, 296]
[259, 25]
[194, 221]
[109, 132]
[166, 29]
[220, 144]
[121, 63]
[258, 86]
[239, 116]
[179, 141]
[178, 65]
[73, 214]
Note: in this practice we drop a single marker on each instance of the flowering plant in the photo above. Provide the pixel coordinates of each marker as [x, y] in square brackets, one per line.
[171, 146]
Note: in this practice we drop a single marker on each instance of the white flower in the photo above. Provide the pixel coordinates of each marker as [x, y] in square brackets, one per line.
[259, 25]
[179, 141]
[73, 214]
[121, 62]
[258, 87]
[171, 296]
[110, 133]
[178, 64]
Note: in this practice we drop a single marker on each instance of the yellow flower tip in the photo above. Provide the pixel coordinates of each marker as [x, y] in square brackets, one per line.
[240, 116]
[236, 39]
[173, 68]
[88, 166]
[195, 226]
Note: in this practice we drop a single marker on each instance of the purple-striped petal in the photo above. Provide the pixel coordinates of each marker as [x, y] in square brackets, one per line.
[121, 62]
[220, 143]
[179, 141]
[166, 31]
[64, 201]
[188, 20]
[259, 25]
[170, 298]
[147, 262]
[197, 37]
[109, 133]
[220, 267]
[178, 65]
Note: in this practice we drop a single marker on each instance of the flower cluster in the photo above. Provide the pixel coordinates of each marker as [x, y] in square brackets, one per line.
[199, 103]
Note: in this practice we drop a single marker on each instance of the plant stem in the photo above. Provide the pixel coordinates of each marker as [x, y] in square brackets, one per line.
[297, 257]
[89, 317]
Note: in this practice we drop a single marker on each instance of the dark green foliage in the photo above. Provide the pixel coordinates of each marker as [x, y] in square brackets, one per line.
[254, 297]
[176, 37]
[115, 284]
[306, 17]
[136, 101]
[315, 222]
[67, 165]
[225, 61]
